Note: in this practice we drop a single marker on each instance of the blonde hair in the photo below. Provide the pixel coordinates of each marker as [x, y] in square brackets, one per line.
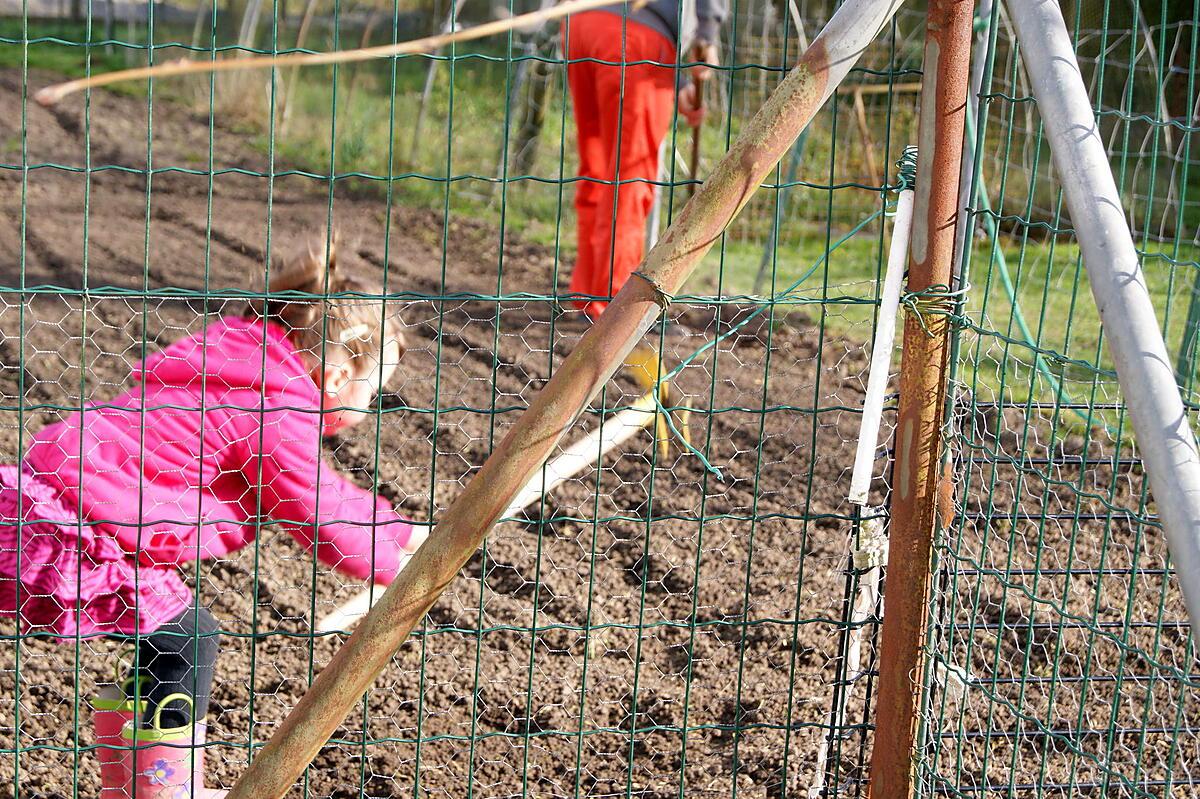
[347, 317]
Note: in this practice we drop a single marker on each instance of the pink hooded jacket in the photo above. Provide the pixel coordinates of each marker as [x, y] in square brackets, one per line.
[224, 429]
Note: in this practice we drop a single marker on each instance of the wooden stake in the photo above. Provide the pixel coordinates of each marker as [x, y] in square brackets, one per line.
[698, 85]
[860, 111]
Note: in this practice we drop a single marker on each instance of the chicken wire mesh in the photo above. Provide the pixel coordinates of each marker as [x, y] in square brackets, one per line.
[651, 627]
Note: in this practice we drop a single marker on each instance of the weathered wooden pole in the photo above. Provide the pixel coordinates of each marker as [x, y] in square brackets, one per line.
[923, 373]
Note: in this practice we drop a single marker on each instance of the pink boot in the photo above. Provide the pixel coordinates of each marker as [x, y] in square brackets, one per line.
[167, 762]
[111, 711]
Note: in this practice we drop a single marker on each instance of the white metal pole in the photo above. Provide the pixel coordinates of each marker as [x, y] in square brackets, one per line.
[652, 224]
[1165, 439]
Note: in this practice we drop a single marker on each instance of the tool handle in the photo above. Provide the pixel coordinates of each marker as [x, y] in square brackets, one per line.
[698, 85]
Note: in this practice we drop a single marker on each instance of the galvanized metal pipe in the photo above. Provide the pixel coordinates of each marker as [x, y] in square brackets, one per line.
[923, 373]
[978, 65]
[599, 353]
[1165, 439]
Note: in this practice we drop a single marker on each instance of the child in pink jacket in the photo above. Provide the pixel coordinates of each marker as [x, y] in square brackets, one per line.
[222, 433]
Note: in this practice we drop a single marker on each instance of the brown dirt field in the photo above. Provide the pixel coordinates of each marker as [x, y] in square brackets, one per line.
[652, 630]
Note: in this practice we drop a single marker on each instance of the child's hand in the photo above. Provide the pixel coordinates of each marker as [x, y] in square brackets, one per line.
[348, 613]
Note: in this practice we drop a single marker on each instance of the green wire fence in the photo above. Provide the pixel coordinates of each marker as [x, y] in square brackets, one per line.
[1062, 662]
[671, 623]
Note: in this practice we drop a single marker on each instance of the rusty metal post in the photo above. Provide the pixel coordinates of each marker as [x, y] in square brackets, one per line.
[599, 353]
[923, 373]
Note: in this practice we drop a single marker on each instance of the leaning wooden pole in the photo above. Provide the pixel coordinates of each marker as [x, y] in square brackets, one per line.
[923, 374]
[765, 139]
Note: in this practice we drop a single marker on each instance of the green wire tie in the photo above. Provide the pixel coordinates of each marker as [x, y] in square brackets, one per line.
[661, 297]
[935, 300]
[708, 467]
[906, 168]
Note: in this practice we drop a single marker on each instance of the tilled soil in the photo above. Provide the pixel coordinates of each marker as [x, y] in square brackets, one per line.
[610, 642]
[653, 628]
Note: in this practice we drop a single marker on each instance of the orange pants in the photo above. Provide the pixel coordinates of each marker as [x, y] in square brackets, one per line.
[622, 111]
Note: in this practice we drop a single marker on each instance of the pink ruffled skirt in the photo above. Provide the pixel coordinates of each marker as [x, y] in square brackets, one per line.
[58, 575]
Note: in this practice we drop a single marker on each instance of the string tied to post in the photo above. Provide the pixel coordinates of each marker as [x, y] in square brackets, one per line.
[661, 296]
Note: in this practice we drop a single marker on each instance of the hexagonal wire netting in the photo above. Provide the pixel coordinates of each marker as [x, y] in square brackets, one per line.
[666, 624]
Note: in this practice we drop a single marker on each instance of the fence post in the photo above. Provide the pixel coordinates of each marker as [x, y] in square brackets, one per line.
[923, 375]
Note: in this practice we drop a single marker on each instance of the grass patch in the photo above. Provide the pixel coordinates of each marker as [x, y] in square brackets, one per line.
[77, 49]
[58, 46]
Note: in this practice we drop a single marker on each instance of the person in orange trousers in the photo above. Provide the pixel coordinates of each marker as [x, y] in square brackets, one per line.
[623, 78]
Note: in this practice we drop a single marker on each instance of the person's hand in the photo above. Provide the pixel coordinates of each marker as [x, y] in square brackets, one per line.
[689, 105]
[691, 96]
[705, 53]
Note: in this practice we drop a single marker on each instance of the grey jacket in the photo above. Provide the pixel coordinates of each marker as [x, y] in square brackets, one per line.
[682, 21]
